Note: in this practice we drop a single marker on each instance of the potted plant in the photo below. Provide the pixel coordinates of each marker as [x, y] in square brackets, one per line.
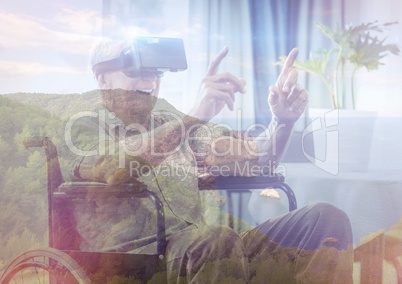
[358, 46]
[354, 47]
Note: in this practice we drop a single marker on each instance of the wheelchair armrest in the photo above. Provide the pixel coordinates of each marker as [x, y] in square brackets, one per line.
[245, 183]
[69, 190]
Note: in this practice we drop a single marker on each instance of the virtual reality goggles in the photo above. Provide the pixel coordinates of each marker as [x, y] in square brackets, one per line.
[147, 55]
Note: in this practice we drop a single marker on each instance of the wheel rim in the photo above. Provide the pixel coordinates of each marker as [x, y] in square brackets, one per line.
[44, 266]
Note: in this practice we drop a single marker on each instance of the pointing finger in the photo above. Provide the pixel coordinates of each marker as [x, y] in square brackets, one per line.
[214, 65]
[287, 67]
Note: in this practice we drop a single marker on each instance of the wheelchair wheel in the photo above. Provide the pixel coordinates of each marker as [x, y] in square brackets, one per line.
[44, 266]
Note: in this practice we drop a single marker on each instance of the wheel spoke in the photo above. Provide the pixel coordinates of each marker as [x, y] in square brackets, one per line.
[37, 274]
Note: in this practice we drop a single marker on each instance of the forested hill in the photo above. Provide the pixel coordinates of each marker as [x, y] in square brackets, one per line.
[19, 120]
[65, 105]
[62, 105]
[23, 187]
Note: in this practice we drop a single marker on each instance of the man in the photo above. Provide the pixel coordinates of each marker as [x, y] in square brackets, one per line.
[164, 151]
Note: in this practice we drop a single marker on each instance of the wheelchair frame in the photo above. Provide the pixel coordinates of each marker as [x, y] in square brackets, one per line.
[66, 265]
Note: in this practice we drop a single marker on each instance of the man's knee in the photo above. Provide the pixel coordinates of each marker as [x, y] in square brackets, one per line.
[333, 223]
[328, 212]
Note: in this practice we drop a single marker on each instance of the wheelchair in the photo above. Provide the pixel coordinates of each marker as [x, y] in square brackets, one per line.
[64, 262]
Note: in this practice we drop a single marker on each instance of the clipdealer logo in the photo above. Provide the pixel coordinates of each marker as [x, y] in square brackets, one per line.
[325, 127]
[325, 130]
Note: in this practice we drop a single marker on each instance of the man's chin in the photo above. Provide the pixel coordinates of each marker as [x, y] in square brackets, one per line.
[142, 101]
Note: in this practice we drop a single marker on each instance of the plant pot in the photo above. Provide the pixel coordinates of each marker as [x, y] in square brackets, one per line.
[342, 139]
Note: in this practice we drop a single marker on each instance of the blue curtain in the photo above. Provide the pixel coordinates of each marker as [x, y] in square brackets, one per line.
[274, 31]
[278, 26]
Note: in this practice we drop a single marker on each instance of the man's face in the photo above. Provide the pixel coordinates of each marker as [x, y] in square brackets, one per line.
[139, 98]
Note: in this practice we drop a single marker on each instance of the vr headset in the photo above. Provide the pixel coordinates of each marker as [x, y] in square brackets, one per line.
[147, 55]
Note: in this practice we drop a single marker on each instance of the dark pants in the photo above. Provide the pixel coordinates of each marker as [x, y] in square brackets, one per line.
[309, 245]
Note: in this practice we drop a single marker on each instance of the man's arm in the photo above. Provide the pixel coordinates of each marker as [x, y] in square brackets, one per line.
[272, 143]
[156, 145]
[287, 101]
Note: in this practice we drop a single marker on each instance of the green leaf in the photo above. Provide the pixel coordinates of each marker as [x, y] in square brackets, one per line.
[368, 50]
[316, 63]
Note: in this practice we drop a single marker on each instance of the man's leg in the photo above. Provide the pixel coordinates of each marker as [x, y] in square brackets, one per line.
[309, 245]
[210, 254]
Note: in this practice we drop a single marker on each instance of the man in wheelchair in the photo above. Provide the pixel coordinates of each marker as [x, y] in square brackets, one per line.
[135, 138]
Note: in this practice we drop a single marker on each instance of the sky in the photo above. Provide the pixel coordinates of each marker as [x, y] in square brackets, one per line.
[44, 44]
